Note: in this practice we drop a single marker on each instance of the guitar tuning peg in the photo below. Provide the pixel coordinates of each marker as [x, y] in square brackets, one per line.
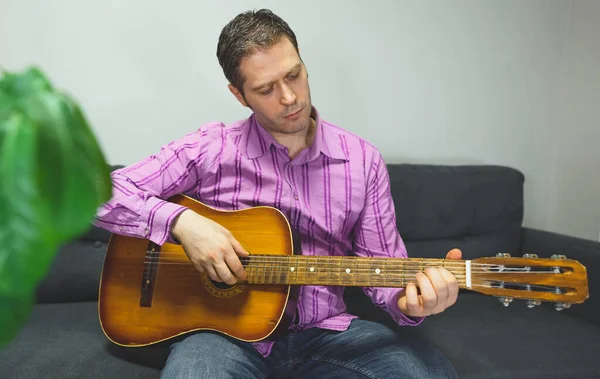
[558, 256]
[561, 306]
[505, 300]
[530, 256]
[532, 303]
[503, 255]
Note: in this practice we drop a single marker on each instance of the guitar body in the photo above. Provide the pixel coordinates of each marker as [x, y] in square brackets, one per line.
[142, 302]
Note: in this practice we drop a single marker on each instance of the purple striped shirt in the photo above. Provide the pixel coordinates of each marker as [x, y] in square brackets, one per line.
[336, 194]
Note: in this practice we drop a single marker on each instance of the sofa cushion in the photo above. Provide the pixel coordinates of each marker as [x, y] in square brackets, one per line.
[483, 339]
[66, 341]
[480, 337]
[486, 340]
[477, 208]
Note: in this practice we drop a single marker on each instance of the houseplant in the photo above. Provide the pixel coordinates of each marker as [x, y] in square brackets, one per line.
[53, 177]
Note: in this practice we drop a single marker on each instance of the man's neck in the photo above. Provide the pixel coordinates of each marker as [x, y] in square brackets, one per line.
[298, 142]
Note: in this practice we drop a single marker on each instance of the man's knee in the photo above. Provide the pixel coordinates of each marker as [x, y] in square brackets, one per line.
[211, 355]
[404, 355]
[416, 358]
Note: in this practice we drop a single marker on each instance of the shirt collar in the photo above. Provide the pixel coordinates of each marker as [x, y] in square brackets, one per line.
[326, 141]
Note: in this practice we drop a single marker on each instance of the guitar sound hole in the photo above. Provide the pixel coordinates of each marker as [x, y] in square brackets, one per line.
[221, 285]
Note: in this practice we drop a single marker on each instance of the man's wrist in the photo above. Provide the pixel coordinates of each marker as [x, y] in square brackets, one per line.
[177, 226]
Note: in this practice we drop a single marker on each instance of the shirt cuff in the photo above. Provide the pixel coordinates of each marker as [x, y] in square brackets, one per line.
[159, 215]
[396, 313]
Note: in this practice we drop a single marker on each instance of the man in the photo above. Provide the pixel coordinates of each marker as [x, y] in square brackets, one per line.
[334, 189]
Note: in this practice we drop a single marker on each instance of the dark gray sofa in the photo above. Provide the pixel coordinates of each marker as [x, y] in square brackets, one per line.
[476, 208]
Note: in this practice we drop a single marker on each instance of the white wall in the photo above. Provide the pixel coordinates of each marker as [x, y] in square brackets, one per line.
[425, 81]
[575, 197]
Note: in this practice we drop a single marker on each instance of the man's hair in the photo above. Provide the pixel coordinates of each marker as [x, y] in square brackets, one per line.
[246, 33]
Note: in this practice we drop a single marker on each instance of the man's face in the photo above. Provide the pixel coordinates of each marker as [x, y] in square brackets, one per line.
[276, 88]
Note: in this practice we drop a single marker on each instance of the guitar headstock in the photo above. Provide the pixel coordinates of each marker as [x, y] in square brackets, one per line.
[557, 279]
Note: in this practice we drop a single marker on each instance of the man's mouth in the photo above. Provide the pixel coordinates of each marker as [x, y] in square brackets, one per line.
[292, 115]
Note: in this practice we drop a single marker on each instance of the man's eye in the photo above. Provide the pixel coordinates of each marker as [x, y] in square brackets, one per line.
[292, 77]
[267, 91]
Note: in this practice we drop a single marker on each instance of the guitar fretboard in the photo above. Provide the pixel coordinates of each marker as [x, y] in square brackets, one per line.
[343, 271]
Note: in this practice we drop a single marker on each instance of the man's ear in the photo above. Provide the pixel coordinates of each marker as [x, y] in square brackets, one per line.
[237, 95]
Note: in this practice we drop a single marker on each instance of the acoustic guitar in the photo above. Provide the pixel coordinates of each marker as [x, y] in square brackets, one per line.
[150, 293]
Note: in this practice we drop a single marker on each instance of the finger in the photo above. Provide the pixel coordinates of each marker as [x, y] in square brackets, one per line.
[454, 254]
[440, 286]
[427, 293]
[210, 271]
[234, 264]
[198, 265]
[238, 248]
[412, 300]
[224, 273]
[452, 286]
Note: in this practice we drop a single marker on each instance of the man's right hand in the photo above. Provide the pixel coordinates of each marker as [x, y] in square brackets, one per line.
[210, 247]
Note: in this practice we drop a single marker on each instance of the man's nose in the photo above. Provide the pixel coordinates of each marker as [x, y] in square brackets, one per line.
[288, 97]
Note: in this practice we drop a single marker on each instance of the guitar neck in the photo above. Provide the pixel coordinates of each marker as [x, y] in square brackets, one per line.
[345, 270]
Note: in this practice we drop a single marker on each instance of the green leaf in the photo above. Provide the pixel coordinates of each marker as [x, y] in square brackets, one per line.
[24, 227]
[16, 311]
[54, 178]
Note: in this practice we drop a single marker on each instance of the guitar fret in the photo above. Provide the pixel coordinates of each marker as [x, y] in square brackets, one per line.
[270, 273]
[402, 273]
[339, 271]
[314, 269]
[343, 275]
[383, 274]
[375, 272]
[355, 270]
[297, 268]
[265, 271]
[325, 269]
[301, 270]
[283, 271]
[318, 270]
[247, 268]
[382, 265]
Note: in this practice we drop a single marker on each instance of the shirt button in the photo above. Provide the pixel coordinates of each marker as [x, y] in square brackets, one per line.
[296, 196]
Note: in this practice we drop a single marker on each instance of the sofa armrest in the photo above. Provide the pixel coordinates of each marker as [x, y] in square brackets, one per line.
[587, 252]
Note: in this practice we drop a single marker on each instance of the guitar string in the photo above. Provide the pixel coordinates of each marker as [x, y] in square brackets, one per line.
[350, 257]
[413, 259]
[270, 270]
[337, 267]
[387, 283]
[361, 274]
[326, 260]
[374, 281]
[189, 265]
[356, 271]
[331, 266]
[321, 261]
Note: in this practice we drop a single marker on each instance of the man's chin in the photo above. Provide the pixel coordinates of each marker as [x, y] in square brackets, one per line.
[294, 126]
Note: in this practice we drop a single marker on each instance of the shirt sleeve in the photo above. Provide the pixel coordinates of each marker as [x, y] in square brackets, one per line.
[376, 235]
[138, 206]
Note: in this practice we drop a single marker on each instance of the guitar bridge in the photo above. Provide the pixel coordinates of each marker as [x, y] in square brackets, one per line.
[149, 274]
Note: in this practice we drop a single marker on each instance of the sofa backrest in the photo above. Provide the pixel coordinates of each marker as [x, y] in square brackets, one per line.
[75, 272]
[476, 208]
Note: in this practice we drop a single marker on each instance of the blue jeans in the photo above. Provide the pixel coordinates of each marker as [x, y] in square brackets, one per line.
[366, 350]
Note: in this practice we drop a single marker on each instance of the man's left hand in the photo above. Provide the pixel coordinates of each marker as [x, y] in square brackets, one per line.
[439, 290]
